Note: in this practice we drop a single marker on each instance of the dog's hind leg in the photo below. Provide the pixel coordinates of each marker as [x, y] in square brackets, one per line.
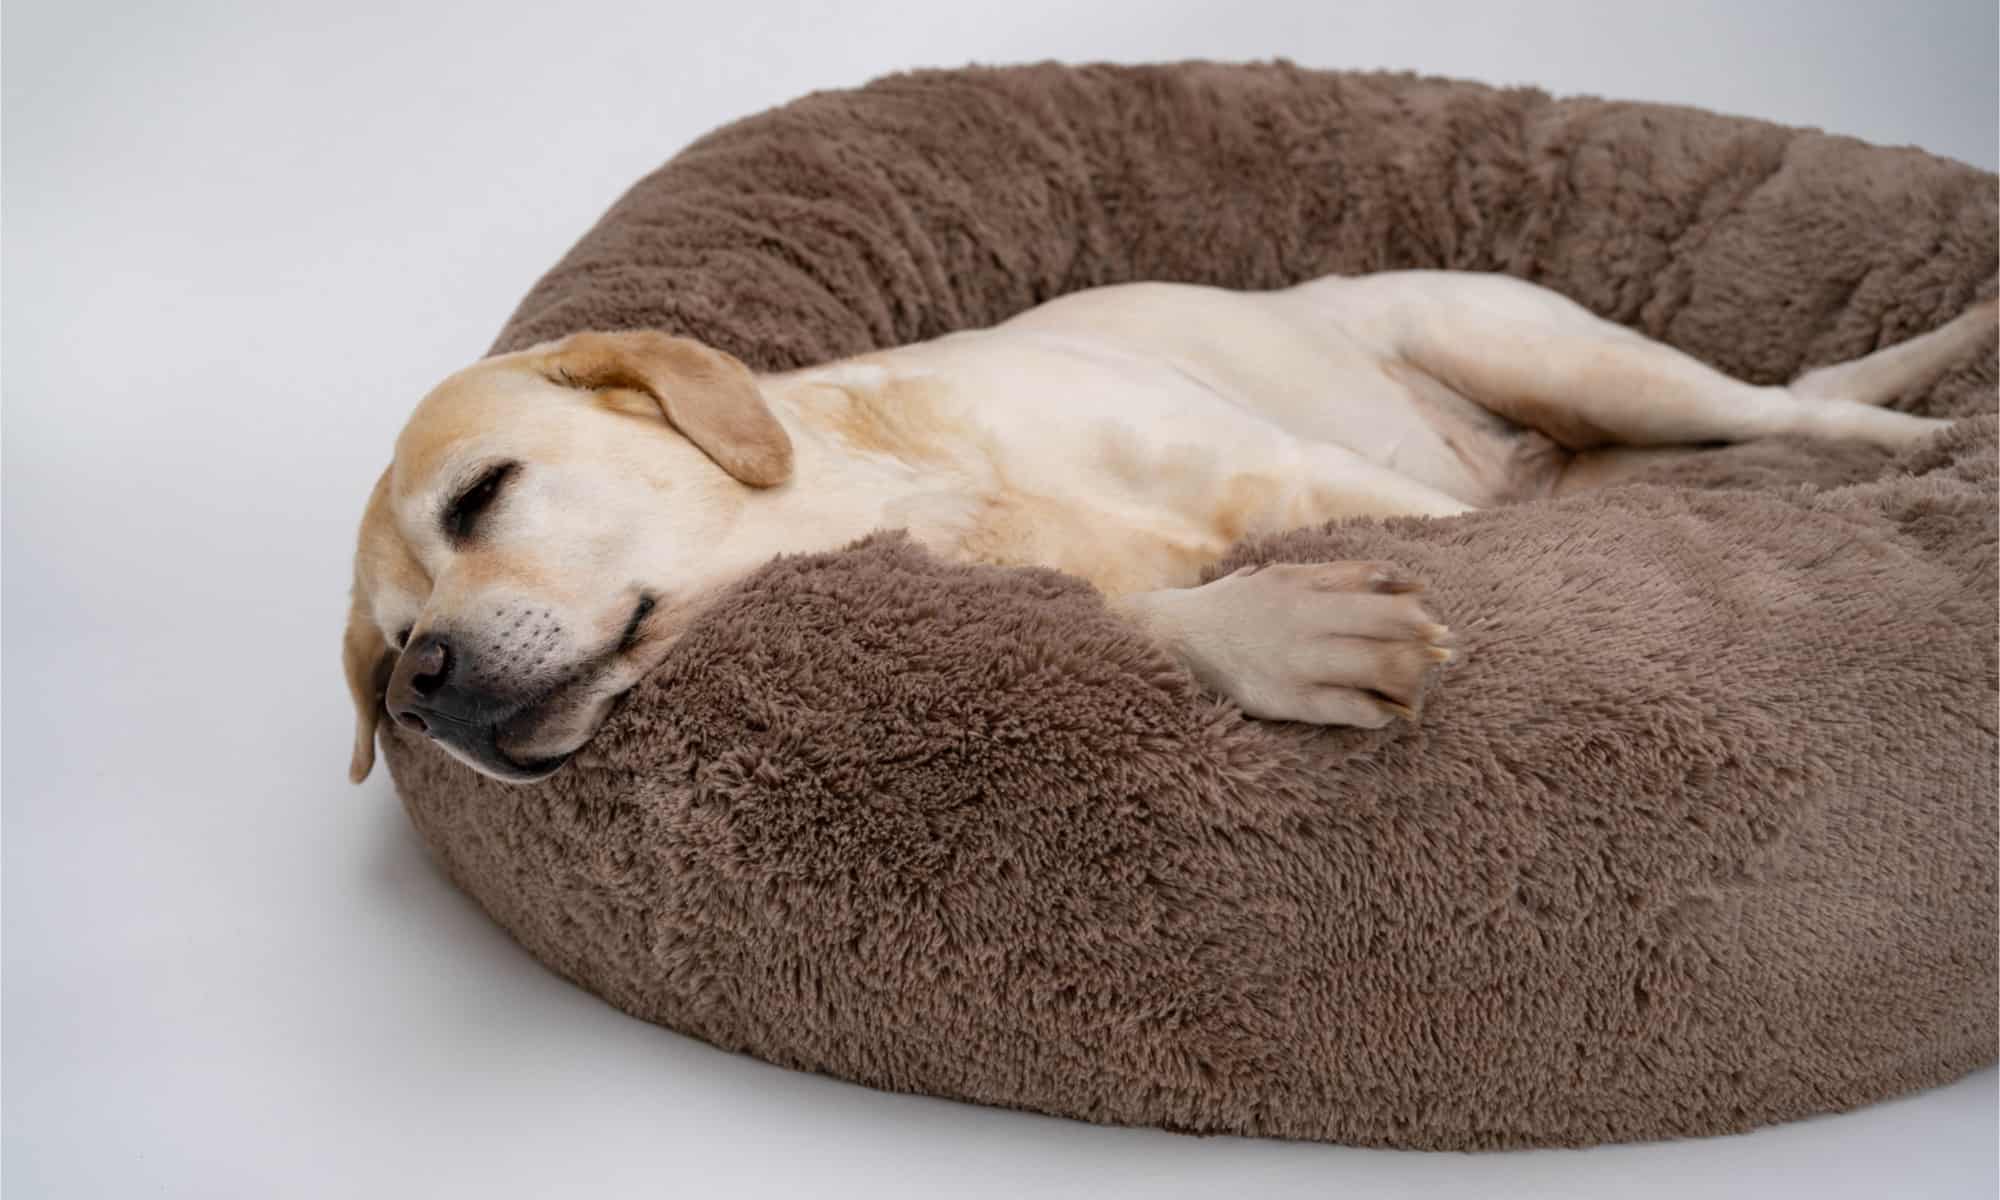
[1890, 372]
[1549, 364]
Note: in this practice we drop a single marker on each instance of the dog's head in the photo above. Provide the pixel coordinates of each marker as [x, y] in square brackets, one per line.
[549, 518]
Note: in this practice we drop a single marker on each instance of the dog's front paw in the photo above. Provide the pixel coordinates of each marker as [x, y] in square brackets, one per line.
[1346, 643]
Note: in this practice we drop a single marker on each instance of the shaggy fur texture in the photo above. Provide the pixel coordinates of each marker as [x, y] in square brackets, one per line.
[1699, 833]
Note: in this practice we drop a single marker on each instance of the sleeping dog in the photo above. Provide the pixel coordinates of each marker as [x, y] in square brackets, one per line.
[553, 518]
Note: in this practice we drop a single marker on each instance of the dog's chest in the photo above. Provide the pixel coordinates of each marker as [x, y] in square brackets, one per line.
[1119, 550]
[1132, 505]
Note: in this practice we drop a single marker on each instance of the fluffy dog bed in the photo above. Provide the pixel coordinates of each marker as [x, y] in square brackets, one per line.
[1698, 835]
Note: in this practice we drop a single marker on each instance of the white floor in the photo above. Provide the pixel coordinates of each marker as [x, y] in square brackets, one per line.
[239, 242]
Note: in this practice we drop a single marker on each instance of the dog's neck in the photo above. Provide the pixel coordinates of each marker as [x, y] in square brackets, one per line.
[870, 453]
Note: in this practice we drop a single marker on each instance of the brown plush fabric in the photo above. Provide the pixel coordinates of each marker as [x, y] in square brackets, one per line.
[1699, 834]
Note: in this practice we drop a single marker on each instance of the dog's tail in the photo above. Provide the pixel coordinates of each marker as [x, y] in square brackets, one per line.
[1904, 367]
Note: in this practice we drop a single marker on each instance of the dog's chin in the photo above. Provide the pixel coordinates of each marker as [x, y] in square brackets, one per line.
[536, 742]
[510, 769]
[531, 744]
[485, 756]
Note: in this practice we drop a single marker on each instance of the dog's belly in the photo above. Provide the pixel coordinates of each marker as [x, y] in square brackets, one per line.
[1274, 360]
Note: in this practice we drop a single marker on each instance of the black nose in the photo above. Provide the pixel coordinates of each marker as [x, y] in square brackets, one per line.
[421, 690]
[430, 663]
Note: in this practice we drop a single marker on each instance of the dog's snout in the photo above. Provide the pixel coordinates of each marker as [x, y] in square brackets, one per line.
[424, 689]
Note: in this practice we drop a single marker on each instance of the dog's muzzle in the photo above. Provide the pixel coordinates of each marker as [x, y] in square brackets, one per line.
[428, 694]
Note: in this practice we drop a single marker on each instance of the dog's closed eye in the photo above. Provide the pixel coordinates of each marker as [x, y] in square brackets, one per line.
[461, 516]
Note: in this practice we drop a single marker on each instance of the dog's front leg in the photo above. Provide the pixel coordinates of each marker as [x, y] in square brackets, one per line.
[1346, 643]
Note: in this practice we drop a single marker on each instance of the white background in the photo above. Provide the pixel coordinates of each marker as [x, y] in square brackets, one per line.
[240, 242]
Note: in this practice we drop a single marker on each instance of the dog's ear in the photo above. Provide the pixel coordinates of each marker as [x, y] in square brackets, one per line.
[367, 660]
[709, 396]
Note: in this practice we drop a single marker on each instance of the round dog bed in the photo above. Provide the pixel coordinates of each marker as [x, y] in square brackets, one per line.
[1698, 834]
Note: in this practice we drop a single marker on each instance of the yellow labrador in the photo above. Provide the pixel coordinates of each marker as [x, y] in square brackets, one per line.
[553, 517]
